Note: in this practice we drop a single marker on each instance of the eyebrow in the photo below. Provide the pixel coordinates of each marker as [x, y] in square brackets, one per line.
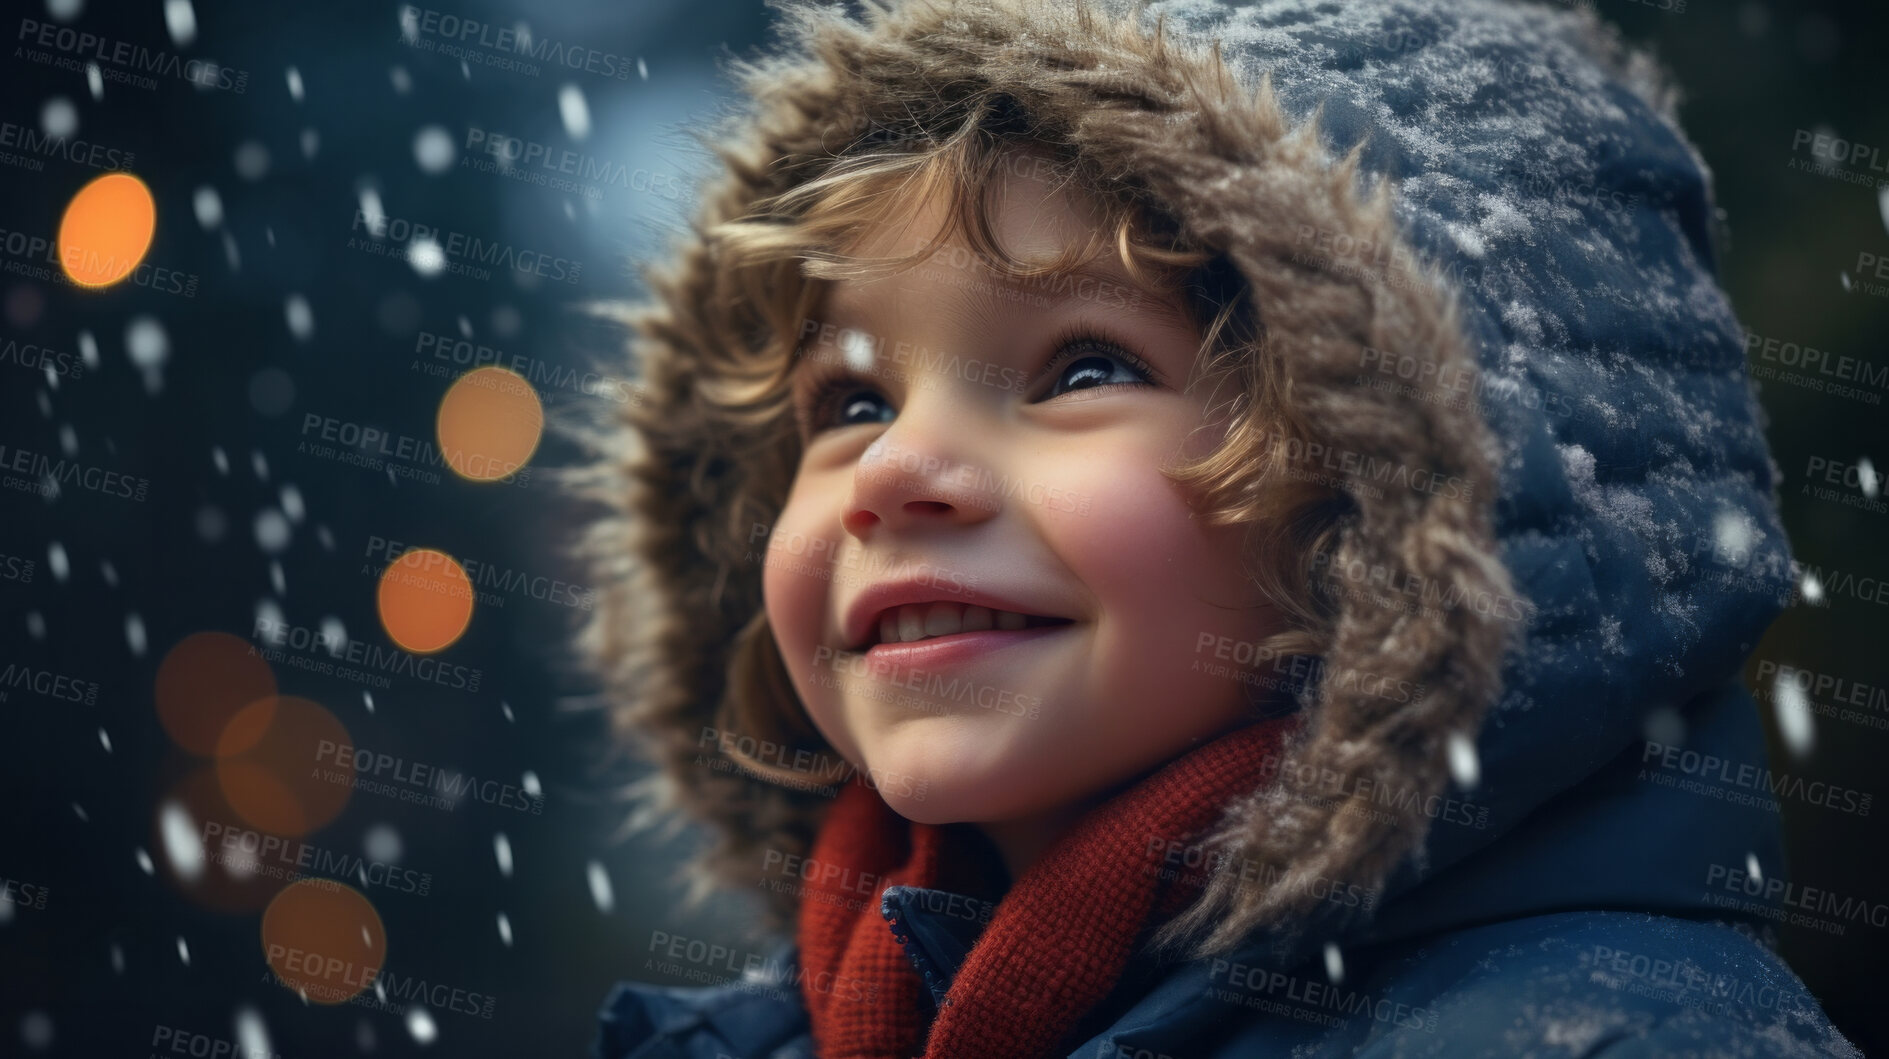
[986, 305]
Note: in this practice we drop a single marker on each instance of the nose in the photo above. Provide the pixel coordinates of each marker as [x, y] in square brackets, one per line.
[911, 478]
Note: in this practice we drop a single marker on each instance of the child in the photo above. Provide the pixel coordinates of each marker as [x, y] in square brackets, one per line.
[1125, 573]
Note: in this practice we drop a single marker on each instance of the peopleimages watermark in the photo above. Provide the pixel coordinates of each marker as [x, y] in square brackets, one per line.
[1831, 154]
[417, 781]
[1362, 472]
[560, 168]
[378, 664]
[37, 146]
[332, 979]
[1875, 266]
[1843, 482]
[119, 60]
[1320, 1003]
[38, 358]
[244, 851]
[47, 684]
[23, 894]
[1815, 369]
[1829, 695]
[864, 353]
[1412, 593]
[829, 559]
[35, 472]
[174, 1040]
[1354, 793]
[1453, 385]
[442, 353]
[1681, 981]
[1194, 864]
[504, 48]
[981, 488]
[828, 770]
[1805, 906]
[26, 250]
[16, 568]
[1219, 655]
[484, 575]
[931, 686]
[1743, 783]
[712, 963]
[456, 252]
[376, 449]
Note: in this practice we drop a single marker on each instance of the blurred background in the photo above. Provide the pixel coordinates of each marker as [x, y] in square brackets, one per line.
[241, 477]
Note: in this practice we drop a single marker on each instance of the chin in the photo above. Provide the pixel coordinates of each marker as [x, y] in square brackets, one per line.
[950, 786]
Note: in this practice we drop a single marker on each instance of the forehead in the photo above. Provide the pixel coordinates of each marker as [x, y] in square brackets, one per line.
[1033, 219]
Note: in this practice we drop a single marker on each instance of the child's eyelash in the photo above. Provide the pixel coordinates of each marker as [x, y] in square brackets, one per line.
[825, 381]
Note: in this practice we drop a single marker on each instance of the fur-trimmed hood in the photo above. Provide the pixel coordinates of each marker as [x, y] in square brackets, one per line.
[1483, 247]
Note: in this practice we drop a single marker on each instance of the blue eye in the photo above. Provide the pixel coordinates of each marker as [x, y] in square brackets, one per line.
[1091, 370]
[835, 397]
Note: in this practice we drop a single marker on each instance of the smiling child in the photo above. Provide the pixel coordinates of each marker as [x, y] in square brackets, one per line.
[1157, 530]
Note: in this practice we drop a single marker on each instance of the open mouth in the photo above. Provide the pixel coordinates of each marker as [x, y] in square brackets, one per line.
[913, 622]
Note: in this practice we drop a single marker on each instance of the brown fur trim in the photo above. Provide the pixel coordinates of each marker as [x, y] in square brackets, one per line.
[677, 591]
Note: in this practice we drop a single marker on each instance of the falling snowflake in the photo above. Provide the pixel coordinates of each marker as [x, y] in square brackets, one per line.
[294, 78]
[1334, 963]
[251, 160]
[424, 254]
[421, 1025]
[134, 634]
[600, 891]
[1794, 721]
[301, 318]
[433, 149]
[272, 531]
[1812, 588]
[208, 206]
[502, 849]
[505, 929]
[1465, 767]
[182, 848]
[183, 950]
[252, 1036]
[59, 119]
[572, 108]
[181, 19]
[383, 844]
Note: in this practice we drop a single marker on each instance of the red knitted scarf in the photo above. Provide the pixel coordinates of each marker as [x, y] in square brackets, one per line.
[1057, 942]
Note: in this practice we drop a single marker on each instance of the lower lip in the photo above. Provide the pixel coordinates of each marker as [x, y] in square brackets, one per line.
[957, 647]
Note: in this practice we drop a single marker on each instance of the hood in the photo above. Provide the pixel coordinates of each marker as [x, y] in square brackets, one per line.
[1483, 248]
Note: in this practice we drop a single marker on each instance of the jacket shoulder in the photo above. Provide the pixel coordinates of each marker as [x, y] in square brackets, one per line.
[1583, 984]
[738, 1020]
[1607, 984]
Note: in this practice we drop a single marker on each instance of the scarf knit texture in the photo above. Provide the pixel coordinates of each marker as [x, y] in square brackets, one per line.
[1057, 942]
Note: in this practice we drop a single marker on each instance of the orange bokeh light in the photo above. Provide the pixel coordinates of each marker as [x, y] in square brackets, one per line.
[106, 230]
[425, 600]
[324, 939]
[286, 780]
[489, 424]
[202, 683]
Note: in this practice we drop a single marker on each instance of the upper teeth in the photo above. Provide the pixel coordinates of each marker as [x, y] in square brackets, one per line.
[917, 621]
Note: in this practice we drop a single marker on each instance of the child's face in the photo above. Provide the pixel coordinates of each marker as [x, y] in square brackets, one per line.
[961, 462]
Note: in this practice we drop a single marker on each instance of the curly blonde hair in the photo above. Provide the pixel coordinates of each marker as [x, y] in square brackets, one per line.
[782, 256]
[773, 263]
